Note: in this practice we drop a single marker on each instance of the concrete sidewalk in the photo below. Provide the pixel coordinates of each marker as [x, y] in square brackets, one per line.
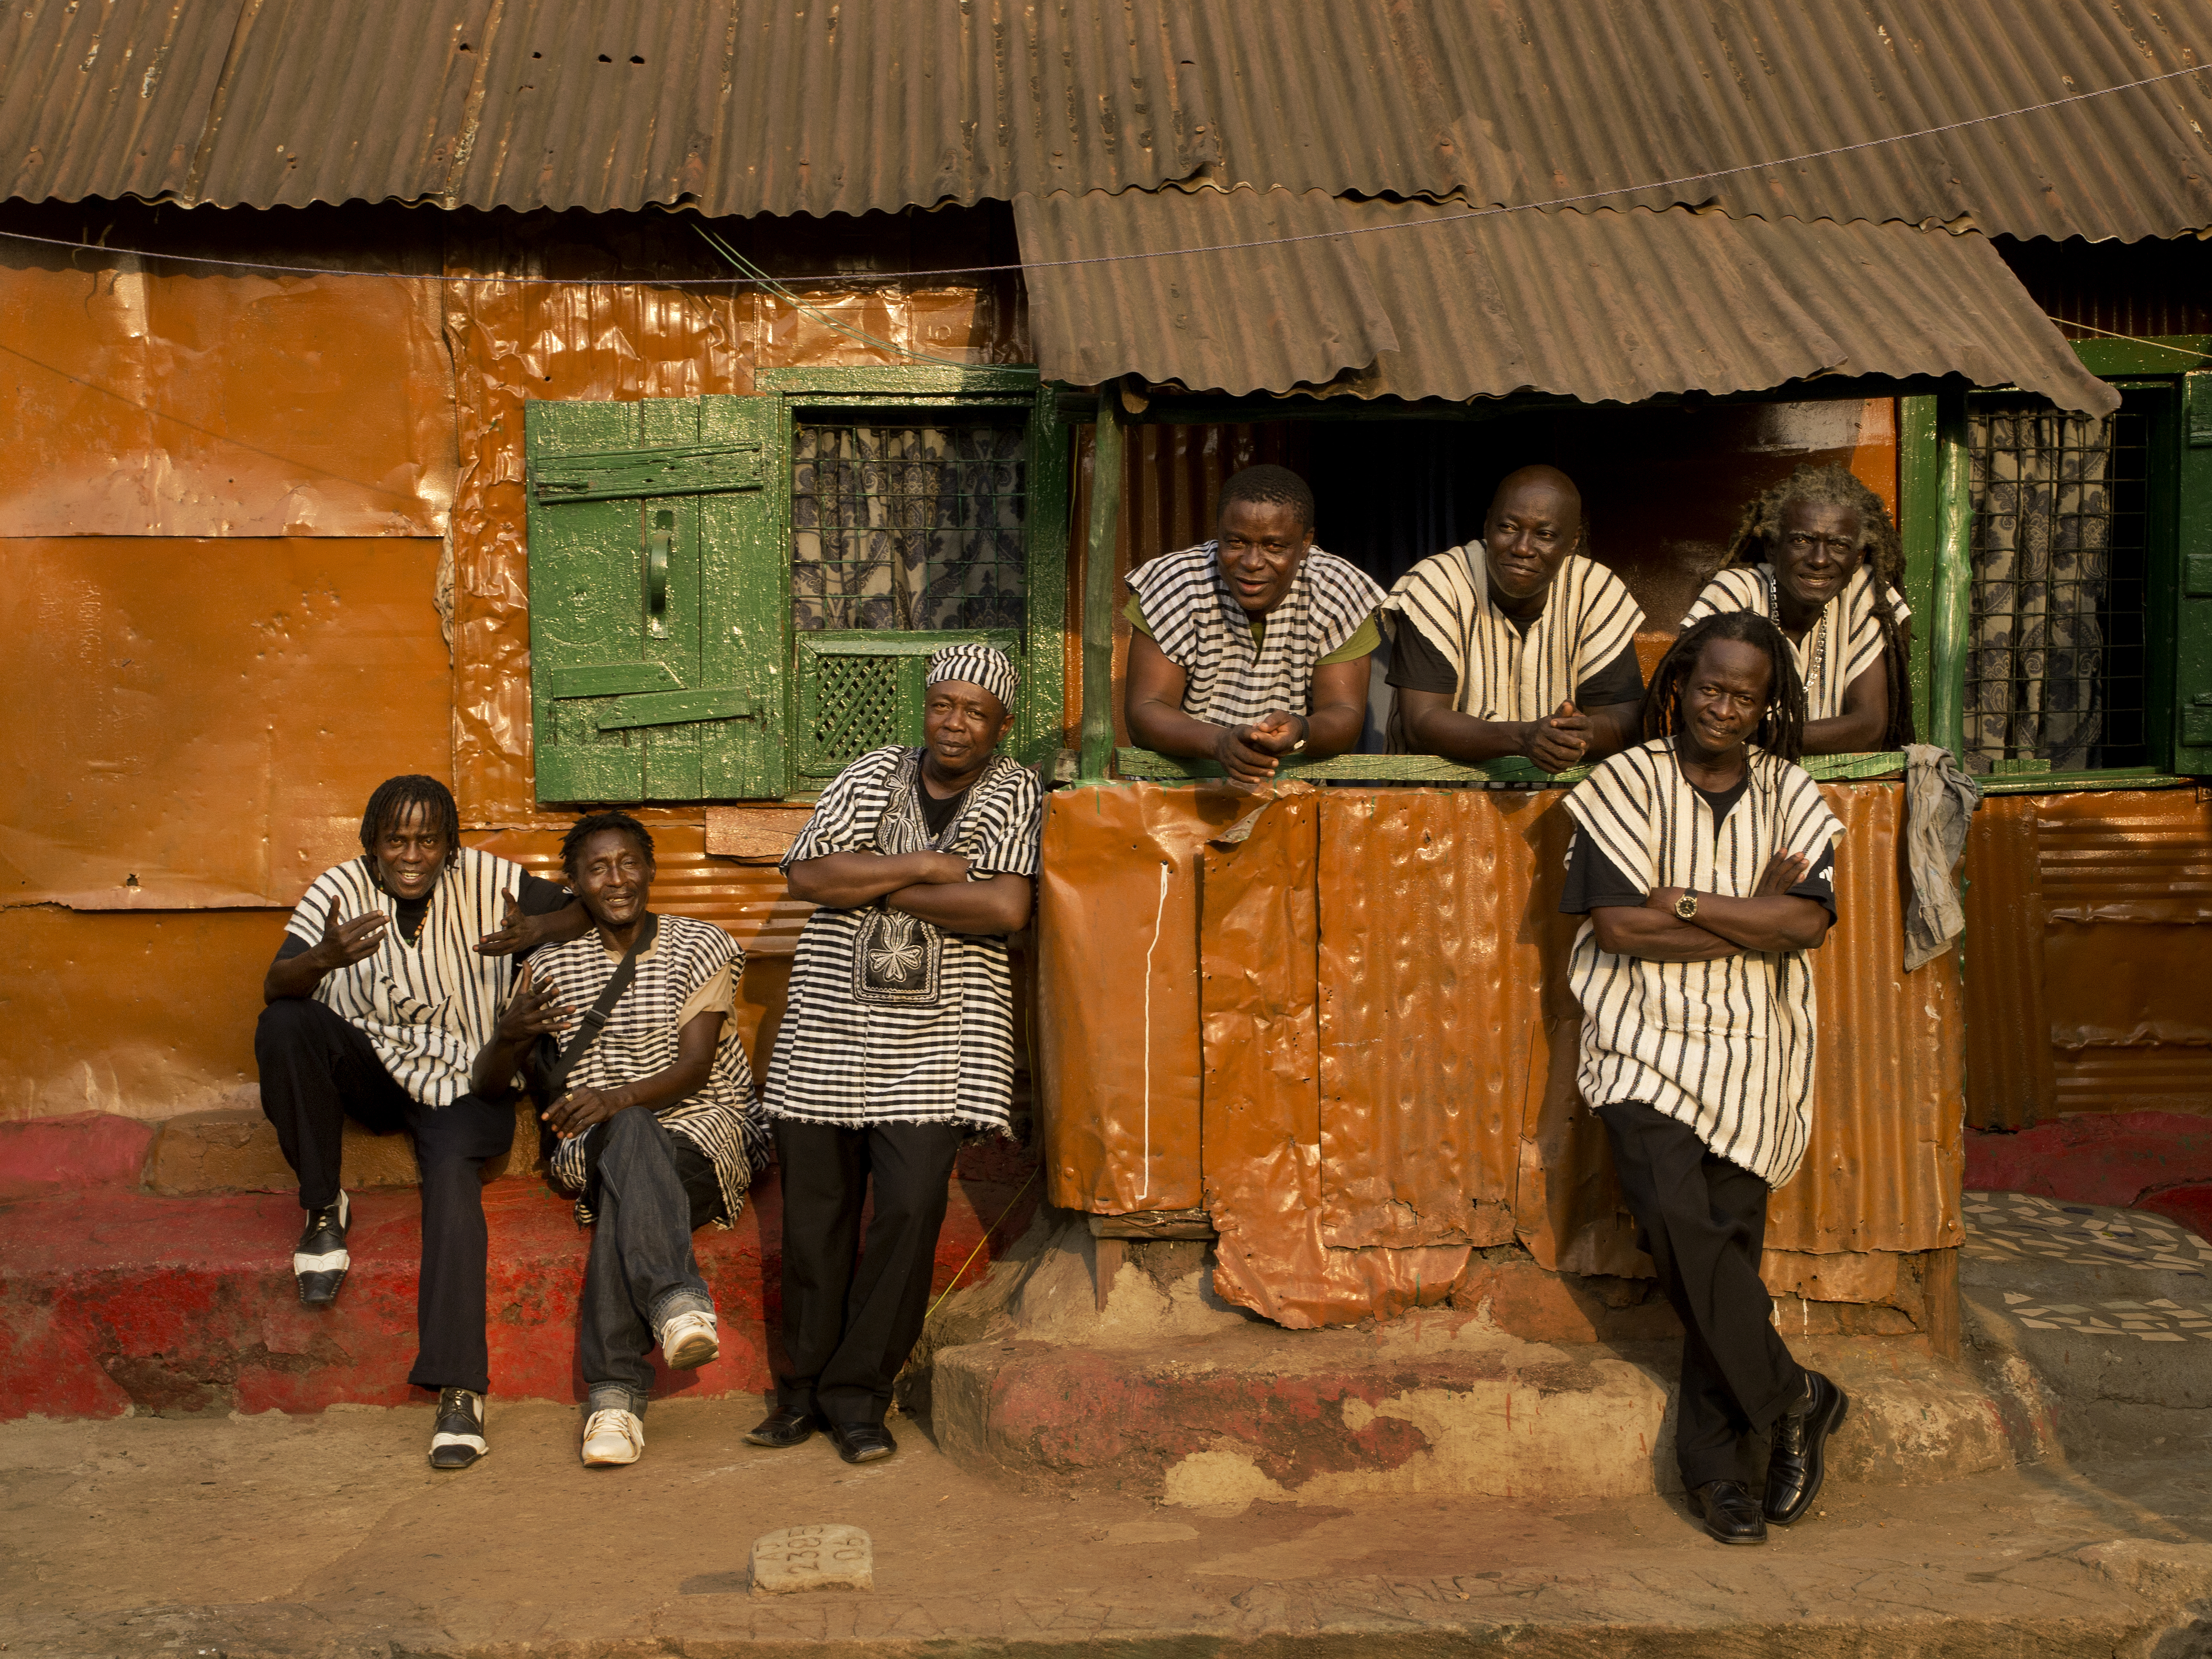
[329, 1536]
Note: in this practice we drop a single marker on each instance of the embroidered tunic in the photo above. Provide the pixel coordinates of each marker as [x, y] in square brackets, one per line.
[1840, 646]
[1198, 625]
[691, 966]
[426, 1007]
[892, 1019]
[1725, 1047]
[1588, 620]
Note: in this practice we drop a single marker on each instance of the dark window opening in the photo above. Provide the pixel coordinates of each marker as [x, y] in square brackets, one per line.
[908, 527]
[2056, 669]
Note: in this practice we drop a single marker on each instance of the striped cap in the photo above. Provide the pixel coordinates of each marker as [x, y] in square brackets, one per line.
[978, 665]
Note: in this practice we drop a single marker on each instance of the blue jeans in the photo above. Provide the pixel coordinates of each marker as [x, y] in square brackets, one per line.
[648, 1189]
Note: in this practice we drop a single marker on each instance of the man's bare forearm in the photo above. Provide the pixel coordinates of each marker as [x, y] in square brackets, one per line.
[1655, 936]
[1169, 731]
[1000, 905]
[1467, 737]
[1783, 921]
[844, 881]
[292, 977]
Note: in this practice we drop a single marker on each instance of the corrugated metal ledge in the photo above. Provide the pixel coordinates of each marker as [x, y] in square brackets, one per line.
[1595, 306]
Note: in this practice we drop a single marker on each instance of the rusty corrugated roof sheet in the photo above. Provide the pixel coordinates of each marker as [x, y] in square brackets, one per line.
[737, 107]
[814, 107]
[1423, 301]
[1525, 101]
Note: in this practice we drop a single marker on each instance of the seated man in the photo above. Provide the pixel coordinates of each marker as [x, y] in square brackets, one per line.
[1704, 859]
[651, 1098]
[1818, 556]
[377, 1002]
[1516, 644]
[1255, 644]
[899, 1039]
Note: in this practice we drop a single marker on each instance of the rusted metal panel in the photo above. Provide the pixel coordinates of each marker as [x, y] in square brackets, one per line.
[1459, 307]
[2009, 1081]
[156, 399]
[1888, 1146]
[1118, 969]
[1532, 99]
[197, 724]
[2087, 950]
[1430, 991]
[1261, 1128]
[1440, 1097]
[632, 340]
[733, 107]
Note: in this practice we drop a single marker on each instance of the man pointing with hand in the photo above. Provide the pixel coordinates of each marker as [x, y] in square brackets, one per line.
[389, 980]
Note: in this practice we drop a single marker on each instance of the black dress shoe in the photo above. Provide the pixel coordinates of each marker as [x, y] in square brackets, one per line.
[1800, 1462]
[457, 1437]
[319, 1259]
[862, 1442]
[784, 1426]
[1730, 1514]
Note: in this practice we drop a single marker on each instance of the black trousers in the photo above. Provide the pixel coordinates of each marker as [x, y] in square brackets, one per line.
[849, 1327]
[317, 1070]
[1703, 1221]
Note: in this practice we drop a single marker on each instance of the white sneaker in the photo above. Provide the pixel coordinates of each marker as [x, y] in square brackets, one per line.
[688, 1340]
[613, 1436]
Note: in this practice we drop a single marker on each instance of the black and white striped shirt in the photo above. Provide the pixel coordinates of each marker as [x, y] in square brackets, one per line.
[1588, 620]
[1725, 1047]
[426, 1006]
[689, 968]
[846, 1060]
[1198, 625]
[1841, 644]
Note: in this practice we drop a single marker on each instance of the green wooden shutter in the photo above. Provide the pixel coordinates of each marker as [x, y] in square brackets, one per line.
[859, 691]
[656, 599]
[2192, 611]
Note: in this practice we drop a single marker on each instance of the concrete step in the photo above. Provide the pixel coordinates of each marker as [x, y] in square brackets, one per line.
[1170, 1395]
[115, 1300]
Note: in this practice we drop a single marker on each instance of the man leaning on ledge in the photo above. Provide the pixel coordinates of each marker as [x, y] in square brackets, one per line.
[1518, 644]
[1255, 644]
[391, 977]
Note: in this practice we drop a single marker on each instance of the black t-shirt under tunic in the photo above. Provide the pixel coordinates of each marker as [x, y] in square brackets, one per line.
[1416, 664]
[935, 813]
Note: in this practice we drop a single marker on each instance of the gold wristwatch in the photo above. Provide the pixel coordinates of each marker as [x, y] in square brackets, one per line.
[1686, 906]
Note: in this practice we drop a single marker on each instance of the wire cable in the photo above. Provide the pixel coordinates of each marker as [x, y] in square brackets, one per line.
[1143, 253]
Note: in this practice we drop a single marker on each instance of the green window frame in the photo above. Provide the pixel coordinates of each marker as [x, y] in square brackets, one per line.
[665, 666]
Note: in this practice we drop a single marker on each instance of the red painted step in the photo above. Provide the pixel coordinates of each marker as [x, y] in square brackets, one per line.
[112, 1298]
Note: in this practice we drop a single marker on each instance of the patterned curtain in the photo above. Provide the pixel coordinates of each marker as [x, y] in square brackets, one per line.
[2042, 566]
[903, 528]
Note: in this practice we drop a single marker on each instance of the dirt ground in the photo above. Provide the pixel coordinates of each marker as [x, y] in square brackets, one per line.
[329, 1536]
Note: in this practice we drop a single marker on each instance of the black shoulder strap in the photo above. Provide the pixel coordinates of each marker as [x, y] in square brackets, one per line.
[595, 1017]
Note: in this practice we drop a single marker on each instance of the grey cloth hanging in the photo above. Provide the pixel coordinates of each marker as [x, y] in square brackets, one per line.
[1940, 800]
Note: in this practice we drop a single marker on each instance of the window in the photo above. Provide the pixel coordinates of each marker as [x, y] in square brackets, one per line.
[2056, 652]
[732, 598]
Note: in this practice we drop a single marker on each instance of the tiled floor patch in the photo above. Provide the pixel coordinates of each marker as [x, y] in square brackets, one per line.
[2016, 1227]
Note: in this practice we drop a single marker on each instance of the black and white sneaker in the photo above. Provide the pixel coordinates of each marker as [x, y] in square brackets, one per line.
[457, 1437]
[319, 1260]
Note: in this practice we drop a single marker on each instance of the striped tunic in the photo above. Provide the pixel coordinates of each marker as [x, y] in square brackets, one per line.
[1586, 622]
[690, 966]
[426, 1007]
[1200, 627]
[847, 1059]
[1725, 1047]
[1839, 646]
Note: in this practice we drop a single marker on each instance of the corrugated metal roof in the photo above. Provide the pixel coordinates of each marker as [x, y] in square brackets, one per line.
[814, 107]
[1521, 100]
[1423, 301]
[740, 108]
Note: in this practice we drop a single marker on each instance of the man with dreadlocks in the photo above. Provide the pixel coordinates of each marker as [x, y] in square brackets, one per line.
[1818, 556]
[390, 979]
[1702, 860]
[1255, 644]
[898, 1038]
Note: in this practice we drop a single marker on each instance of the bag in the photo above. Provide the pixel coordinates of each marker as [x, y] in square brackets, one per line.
[549, 1066]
